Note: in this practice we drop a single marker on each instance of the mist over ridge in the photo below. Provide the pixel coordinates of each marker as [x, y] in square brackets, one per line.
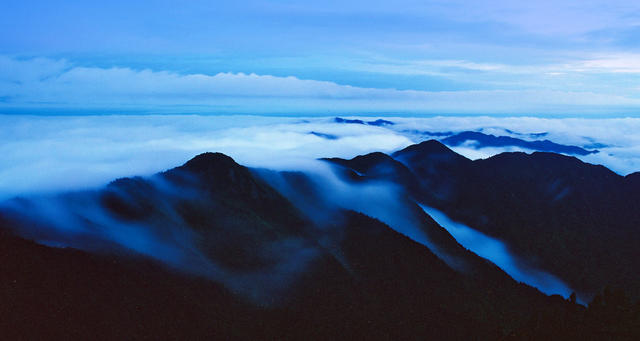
[50, 153]
[125, 145]
[267, 234]
[498, 253]
[334, 170]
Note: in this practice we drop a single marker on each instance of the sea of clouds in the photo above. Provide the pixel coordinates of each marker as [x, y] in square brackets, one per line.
[51, 153]
[41, 155]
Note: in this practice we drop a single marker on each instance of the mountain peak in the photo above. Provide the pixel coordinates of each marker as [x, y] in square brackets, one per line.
[633, 180]
[209, 161]
[633, 176]
[429, 149]
[362, 163]
[215, 170]
[487, 140]
[370, 158]
[433, 145]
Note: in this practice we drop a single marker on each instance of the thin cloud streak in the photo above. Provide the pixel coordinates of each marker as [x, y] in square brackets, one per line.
[584, 48]
[44, 84]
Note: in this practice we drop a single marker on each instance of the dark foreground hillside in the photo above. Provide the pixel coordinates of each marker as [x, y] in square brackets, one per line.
[211, 251]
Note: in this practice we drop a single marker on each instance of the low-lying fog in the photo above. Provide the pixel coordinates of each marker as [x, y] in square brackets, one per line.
[498, 253]
[50, 153]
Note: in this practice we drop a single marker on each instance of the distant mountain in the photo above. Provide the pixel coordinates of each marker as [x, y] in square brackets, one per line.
[378, 122]
[324, 136]
[532, 135]
[481, 140]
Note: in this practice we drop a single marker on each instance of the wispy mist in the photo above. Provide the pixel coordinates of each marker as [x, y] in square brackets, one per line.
[497, 252]
[44, 155]
[86, 220]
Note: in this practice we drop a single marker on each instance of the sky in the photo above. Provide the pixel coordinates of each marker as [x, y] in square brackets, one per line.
[292, 57]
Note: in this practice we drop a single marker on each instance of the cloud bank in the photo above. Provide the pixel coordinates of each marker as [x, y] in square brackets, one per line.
[55, 153]
[50, 153]
[40, 84]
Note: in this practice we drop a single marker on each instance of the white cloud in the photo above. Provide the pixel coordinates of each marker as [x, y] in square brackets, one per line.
[48, 153]
[423, 67]
[44, 84]
[611, 63]
[620, 135]
[14, 70]
[575, 64]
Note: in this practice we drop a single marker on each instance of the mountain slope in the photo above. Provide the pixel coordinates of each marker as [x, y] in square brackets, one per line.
[210, 250]
[579, 221]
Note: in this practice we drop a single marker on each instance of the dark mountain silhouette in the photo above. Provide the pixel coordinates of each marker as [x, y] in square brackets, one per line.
[376, 165]
[575, 220]
[435, 167]
[394, 289]
[378, 122]
[346, 120]
[324, 136]
[486, 140]
[532, 135]
[633, 180]
[252, 263]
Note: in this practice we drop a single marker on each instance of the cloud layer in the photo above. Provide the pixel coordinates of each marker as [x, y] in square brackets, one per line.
[48, 153]
[40, 84]
[56, 153]
[256, 56]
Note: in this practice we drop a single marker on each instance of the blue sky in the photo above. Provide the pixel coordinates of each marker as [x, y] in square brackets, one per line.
[489, 57]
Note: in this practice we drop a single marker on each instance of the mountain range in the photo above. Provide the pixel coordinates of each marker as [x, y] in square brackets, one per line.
[481, 140]
[213, 249]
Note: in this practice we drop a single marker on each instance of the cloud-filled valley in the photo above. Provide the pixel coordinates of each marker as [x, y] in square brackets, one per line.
[45, 155]
[49, 153]
[261, 231]
[336, 170]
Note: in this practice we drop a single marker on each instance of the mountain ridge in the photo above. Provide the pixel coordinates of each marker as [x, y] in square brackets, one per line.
[277, 272]
[539, 194]
[488, 140]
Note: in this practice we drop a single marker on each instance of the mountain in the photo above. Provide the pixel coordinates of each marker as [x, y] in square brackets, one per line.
[212, 249]
[376, 165]
[209, 215]
[378, 122]
[324, 136]
[578, 221]
[481, 140]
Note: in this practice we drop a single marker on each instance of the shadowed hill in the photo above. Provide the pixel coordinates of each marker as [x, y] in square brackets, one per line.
[576, 220]
[265, 270]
